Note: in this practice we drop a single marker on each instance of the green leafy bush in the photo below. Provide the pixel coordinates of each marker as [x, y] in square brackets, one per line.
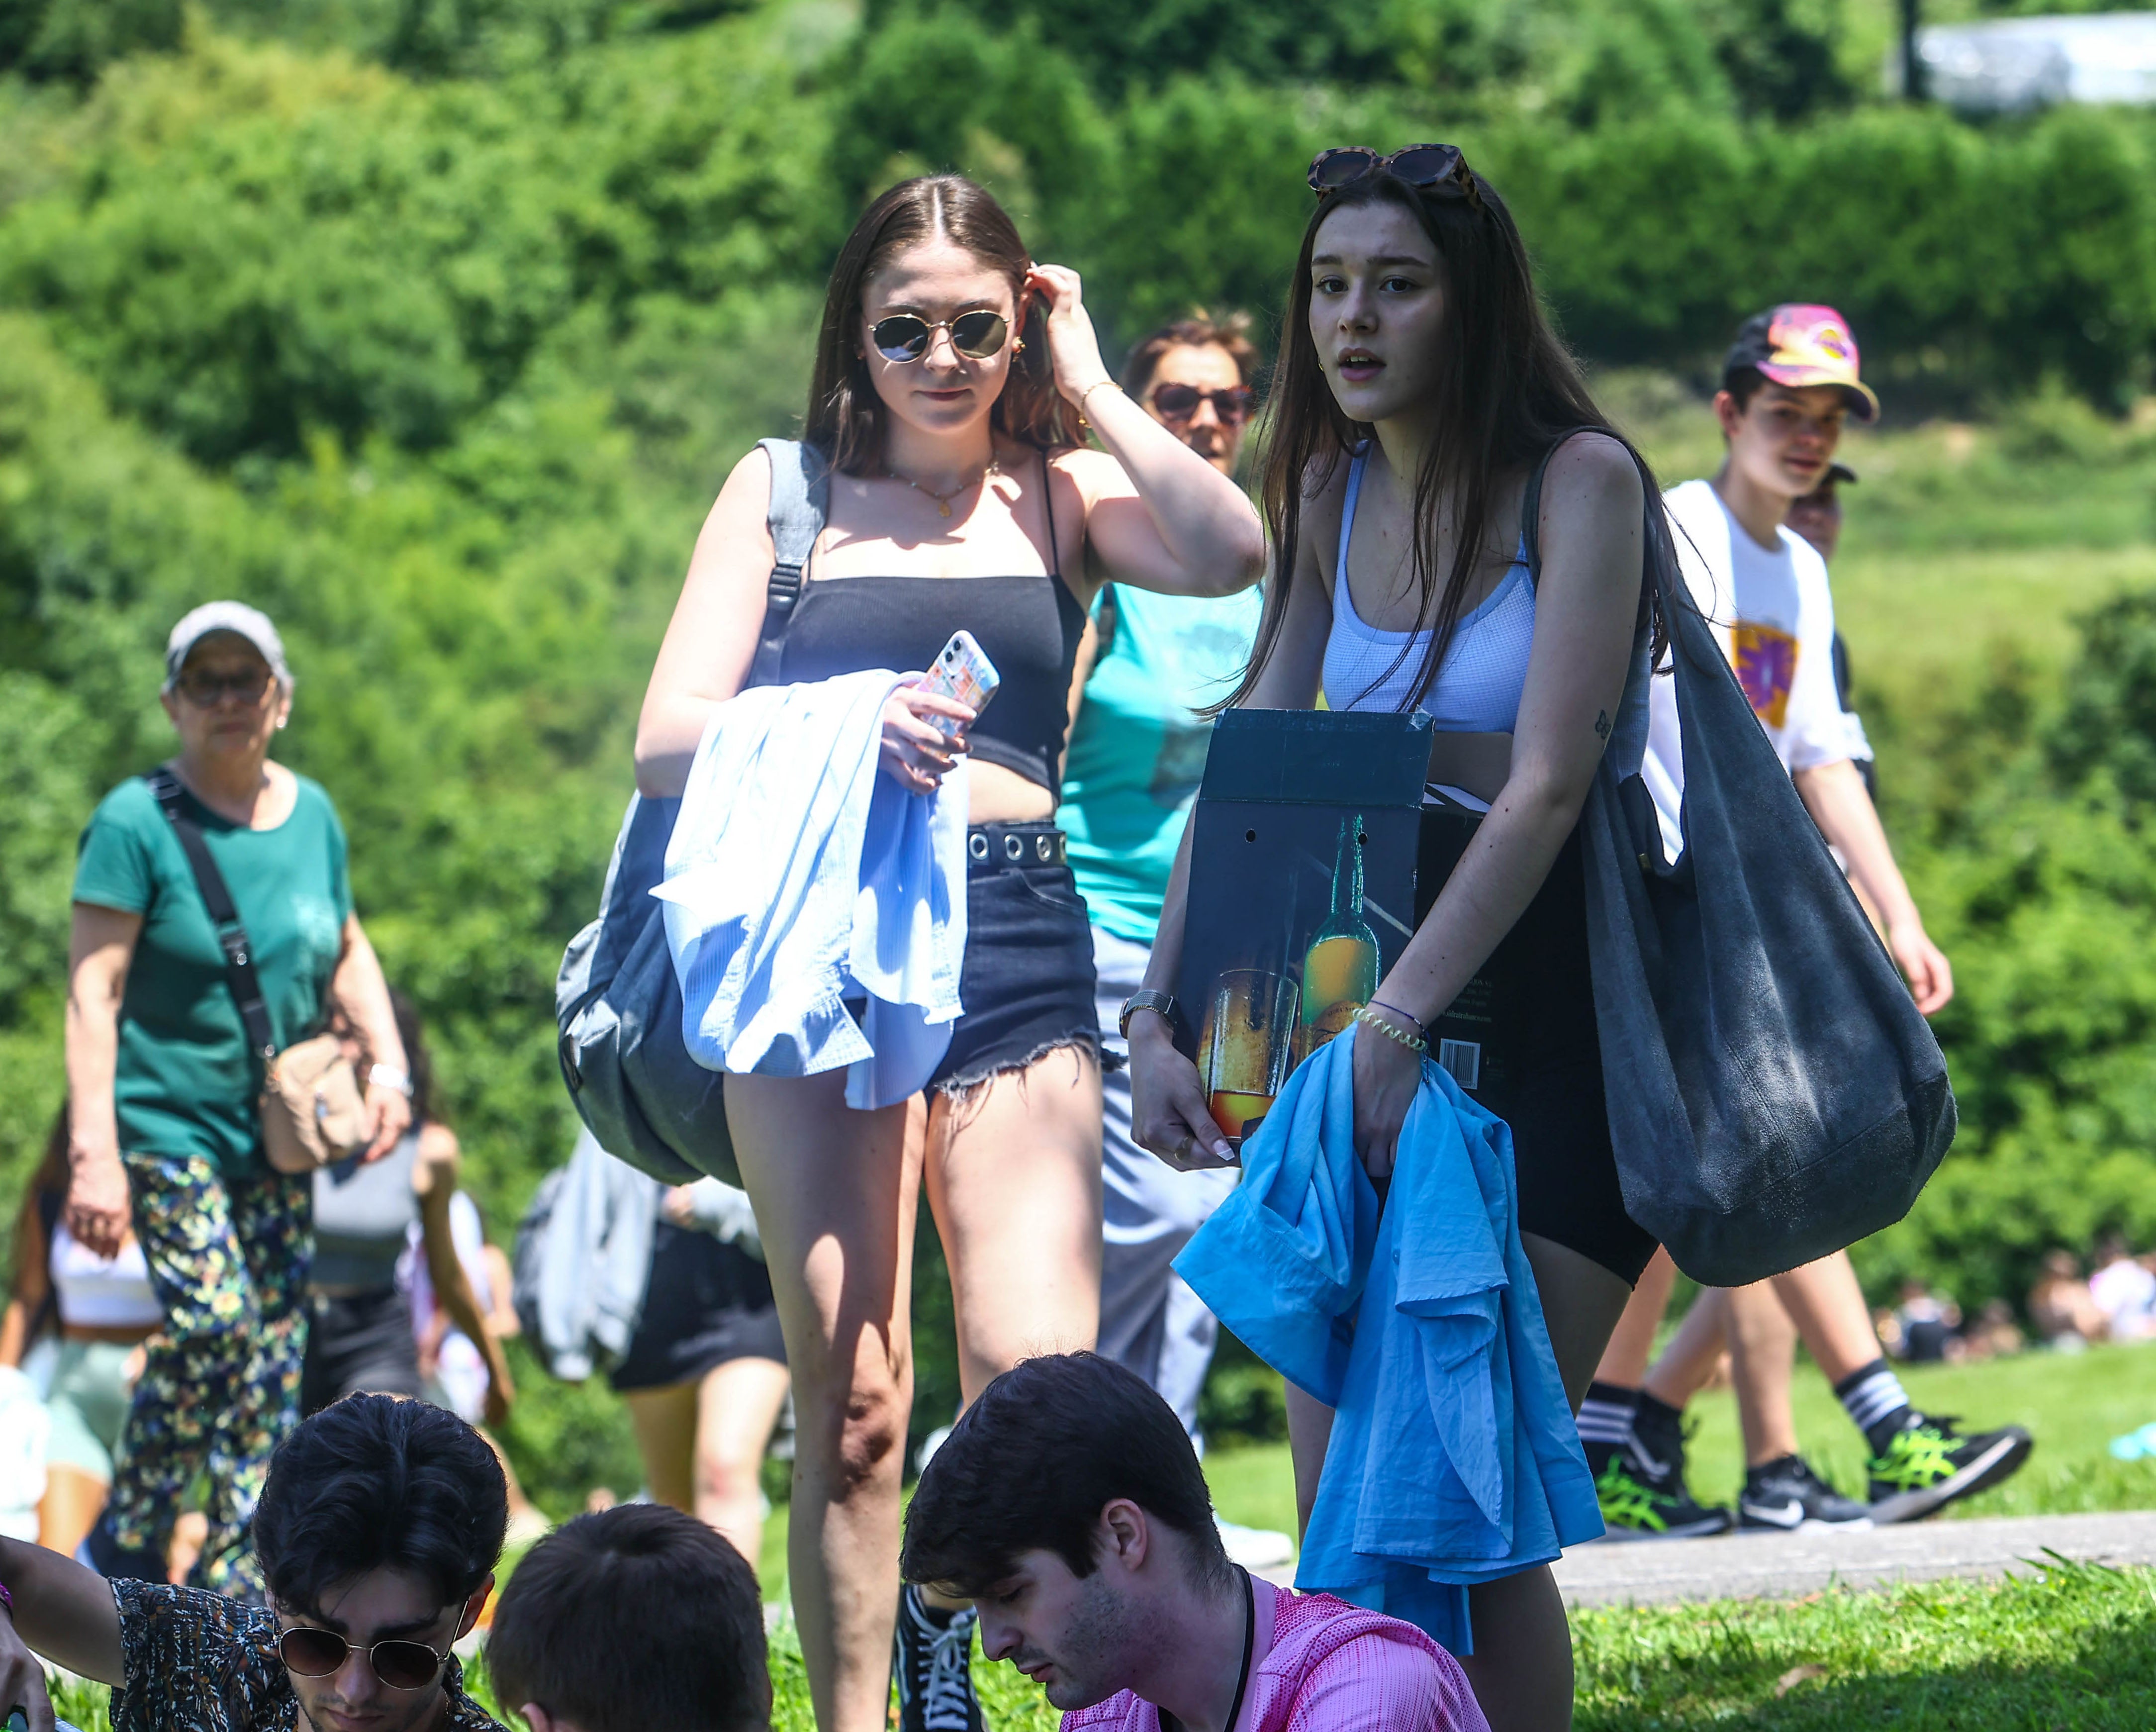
[2042, 888]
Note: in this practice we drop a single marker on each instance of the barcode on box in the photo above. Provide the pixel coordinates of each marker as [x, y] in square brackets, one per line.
[1464, 1059]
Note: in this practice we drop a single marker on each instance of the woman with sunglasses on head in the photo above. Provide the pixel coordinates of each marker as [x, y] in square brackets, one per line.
[1417, 388]
[164, 1085]
[951, 375]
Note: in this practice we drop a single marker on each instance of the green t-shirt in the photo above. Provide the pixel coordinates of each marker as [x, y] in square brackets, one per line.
[1138, 752]
[186, 1082]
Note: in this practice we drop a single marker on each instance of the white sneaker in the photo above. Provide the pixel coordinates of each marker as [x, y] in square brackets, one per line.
[1255, 1548]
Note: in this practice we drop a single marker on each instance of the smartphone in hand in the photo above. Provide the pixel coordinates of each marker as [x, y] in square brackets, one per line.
[963, 671]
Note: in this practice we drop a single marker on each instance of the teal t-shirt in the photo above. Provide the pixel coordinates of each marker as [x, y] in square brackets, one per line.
[186, 1082]
[1138, 751]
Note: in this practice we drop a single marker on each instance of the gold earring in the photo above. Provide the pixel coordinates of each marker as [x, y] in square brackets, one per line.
[1017, 346]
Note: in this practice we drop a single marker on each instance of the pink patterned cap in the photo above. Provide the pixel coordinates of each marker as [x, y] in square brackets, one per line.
[1801, 345]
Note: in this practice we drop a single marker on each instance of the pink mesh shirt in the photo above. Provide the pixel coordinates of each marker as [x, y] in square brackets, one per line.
[1318, 1664]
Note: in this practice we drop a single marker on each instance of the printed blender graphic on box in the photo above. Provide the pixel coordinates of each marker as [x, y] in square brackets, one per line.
[1302, 889]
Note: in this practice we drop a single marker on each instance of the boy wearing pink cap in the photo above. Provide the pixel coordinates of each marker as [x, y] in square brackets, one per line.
[1068, 1504]
[1789, 383]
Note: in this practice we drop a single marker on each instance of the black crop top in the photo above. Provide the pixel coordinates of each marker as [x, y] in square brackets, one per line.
[1029, 627]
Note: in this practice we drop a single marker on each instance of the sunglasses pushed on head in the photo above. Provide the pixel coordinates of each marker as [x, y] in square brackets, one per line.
[1438, 168]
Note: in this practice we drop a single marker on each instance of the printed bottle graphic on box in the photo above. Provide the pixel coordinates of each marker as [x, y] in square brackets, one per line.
[1340, 968]
[1302, 885]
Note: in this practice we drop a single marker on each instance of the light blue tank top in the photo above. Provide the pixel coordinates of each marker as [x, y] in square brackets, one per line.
[1478, 685]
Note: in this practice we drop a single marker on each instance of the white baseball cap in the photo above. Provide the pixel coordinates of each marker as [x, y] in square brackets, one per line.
[234, 616]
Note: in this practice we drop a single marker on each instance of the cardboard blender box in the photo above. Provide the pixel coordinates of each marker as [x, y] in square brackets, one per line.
[1313, 856]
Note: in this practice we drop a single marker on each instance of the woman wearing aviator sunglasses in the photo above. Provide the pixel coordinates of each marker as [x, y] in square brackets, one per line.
[1418, 390]
[950, 378]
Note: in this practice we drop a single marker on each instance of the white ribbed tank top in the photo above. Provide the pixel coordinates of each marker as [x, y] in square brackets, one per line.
[1478, 685]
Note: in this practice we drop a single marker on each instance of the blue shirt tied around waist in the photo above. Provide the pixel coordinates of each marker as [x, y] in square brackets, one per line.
[1453, 1458]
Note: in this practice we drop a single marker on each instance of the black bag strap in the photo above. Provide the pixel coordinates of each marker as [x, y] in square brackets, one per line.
[800, 502]
[231, 935]
[1530, 503]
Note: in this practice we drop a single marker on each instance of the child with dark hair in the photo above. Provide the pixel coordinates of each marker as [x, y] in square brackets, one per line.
[1068, 1504]
[640, 1619]
[377, 1535]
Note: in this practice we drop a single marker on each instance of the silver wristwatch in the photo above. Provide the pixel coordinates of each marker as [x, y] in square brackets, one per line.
[389, 1077]
[1145, 999]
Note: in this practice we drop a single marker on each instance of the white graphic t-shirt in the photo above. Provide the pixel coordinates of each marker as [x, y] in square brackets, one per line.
[1774, 613]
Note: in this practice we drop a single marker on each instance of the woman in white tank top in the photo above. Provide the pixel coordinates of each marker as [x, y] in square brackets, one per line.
[101, 1309]
[1418, 390]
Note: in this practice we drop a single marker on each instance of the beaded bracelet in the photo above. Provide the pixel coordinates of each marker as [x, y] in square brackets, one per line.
[1392, 1031]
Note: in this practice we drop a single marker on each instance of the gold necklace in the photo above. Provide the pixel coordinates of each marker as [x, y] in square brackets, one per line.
[943, 499]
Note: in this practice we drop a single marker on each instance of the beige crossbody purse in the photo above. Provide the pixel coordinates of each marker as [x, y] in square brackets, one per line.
[313, 1109]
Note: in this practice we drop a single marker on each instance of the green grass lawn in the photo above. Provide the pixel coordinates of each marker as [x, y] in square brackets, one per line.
[2072, 1651]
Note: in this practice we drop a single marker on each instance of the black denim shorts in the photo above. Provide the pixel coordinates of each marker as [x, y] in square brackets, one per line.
[1027, 982]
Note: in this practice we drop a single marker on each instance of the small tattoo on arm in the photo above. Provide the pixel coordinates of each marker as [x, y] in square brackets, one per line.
[1602, 724]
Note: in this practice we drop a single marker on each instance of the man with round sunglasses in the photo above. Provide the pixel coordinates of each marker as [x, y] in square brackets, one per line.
[378, 1534]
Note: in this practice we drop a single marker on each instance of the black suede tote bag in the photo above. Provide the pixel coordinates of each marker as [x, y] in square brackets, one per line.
[1773, 1094]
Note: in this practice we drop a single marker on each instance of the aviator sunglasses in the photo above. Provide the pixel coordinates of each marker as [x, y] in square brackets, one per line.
[1437, 168]
[403, 1664]
[204, 690]
[906, 336]
[1179, 403]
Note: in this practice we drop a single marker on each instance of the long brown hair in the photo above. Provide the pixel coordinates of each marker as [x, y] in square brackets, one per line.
[846, 417]
[1508, 390]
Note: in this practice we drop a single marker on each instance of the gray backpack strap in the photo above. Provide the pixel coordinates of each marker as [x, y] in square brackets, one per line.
[800, 501]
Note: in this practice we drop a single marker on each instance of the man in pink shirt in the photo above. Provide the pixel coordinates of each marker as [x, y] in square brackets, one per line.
[1068, 1504]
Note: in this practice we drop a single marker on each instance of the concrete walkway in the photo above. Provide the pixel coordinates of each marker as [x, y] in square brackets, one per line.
[1786, 1566]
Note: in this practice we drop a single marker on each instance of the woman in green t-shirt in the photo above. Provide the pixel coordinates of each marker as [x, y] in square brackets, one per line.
[162, 1087]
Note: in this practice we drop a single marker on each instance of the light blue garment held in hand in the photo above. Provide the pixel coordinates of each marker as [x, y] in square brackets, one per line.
[1453, 1458]
[798, 876]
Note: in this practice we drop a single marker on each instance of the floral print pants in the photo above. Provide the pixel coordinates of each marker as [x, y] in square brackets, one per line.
[220, 1386]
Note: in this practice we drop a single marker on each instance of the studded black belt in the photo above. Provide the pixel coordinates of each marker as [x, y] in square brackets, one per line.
[997, 847]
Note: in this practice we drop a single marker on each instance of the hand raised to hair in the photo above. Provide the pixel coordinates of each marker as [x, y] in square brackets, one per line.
[1073, 346]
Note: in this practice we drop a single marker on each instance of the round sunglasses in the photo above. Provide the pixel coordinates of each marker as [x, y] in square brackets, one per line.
[905, 337]
[402, 1664]
[1179, 403]
[1437, 168]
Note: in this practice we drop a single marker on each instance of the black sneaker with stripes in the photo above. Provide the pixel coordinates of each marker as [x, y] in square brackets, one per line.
[932, 1661]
